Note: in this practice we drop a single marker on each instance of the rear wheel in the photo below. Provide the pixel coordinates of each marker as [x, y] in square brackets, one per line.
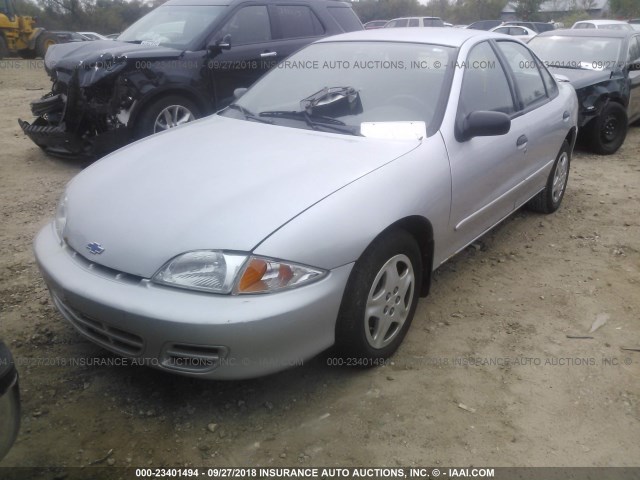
[164, 114]
[380, 299]
[43, 42]
[4, 50]
[549, 199]
[607, 132]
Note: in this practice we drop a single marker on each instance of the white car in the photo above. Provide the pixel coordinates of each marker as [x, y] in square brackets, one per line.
[521, 33]
[94, 36]
[606, 24]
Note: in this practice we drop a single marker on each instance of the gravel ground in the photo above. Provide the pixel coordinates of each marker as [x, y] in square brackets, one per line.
[486, 376]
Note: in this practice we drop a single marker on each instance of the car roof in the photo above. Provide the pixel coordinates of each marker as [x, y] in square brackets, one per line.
[446, 36]
[334, 3]
[578, 32]
[601, 22]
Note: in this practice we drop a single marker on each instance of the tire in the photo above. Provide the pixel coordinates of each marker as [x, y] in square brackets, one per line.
[4, 50]
[27, 54]
[607, 132]
[362, 335]
[549, 199]
[152, 119]
[43, 42]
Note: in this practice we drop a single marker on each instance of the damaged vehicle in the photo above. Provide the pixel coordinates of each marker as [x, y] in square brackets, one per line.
[180, 62]
[604, 68]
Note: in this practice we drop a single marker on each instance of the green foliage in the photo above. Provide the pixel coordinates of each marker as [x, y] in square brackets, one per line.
[528, 9]
[102, 16]
[625, 8]
[454, 11]
[573, 17]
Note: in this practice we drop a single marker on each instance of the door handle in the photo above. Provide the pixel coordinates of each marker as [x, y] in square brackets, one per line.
[565, 116]
[268, 54]
[522, 140]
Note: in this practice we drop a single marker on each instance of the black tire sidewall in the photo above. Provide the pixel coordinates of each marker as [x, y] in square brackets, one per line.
[4, 48]
[598, 124]
[351, 339]
[553, 206]
[145, 122]
[40, 51]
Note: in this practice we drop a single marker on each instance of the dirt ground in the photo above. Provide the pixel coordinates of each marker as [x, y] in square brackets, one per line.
[487, 375]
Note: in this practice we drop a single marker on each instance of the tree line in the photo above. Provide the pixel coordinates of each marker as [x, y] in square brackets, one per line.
[112, 16]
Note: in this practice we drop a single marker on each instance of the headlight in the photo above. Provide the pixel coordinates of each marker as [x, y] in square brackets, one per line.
[61, 217]
[204, 270]
[219, 272]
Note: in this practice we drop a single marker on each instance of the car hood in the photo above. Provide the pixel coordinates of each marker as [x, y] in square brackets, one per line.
[218, 183]
[99, 58]
[582, 78]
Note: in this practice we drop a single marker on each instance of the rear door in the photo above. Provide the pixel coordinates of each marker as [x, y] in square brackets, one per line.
[294, 26]
[634, 78]
[545, 121]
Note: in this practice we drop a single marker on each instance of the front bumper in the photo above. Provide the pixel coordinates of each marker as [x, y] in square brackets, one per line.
[57, 141]
[191, 333]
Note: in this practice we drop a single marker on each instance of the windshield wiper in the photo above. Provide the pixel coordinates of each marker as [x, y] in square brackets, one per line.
[568, 67]
[315, 122]
[248, 114]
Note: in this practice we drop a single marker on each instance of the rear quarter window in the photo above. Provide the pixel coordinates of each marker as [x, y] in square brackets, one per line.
[297, 21]
[346, 18]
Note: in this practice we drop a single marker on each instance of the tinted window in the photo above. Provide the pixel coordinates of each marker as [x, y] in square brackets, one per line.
[402, 22]
[248, 25]
[413, 22]
[348, 20]
[432, 22]
[297, 21]
[485, 84]
[504, 30]
[525, 71]
[634, 49]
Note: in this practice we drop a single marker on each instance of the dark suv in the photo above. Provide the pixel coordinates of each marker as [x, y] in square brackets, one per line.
[179, 62]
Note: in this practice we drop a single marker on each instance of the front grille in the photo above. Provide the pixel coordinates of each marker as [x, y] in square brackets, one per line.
[193, 358]
[112, 338]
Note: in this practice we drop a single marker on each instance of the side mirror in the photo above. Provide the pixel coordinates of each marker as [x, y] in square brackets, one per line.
[219, 45]
[238, 92]
[484, 124]
[561, 78]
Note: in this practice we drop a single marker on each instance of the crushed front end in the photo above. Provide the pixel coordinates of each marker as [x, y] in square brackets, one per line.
[86, 113]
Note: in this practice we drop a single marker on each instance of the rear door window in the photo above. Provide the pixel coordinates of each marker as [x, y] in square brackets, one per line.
[296, 21]
[347, 19]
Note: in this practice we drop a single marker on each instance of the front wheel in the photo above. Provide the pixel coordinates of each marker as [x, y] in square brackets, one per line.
[164, 114]
[549, 199]
[380, 299]
[607, 132]
[43, 42]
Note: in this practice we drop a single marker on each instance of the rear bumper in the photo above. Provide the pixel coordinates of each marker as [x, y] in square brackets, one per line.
[234, 336]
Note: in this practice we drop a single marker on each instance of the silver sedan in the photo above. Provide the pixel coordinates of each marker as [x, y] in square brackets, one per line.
[311, 212]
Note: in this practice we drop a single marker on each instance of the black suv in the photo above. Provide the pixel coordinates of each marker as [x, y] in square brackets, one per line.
[179, 62]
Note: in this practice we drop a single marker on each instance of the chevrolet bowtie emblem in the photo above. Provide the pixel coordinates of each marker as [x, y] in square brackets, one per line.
[95, 248]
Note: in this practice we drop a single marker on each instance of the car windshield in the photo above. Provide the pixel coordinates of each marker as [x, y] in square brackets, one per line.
[172, 26]
[585, 53]
[338, 87]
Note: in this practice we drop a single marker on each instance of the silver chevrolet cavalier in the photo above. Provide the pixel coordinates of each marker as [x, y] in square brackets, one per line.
[312, 211]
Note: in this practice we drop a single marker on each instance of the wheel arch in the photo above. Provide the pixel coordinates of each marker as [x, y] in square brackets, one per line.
[198, 99]
[421, 230]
